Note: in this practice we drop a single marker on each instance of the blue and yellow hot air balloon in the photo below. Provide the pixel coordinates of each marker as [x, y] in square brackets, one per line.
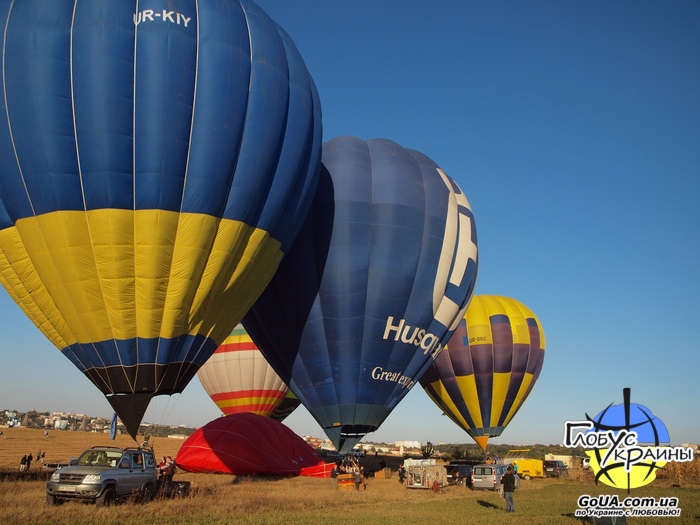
[377, 279]
[489, 366]
[156, 159]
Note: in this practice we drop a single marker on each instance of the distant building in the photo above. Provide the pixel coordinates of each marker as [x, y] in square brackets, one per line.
[408, 444]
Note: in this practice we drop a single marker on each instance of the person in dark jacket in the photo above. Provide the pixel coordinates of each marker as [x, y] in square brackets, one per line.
[508, 482]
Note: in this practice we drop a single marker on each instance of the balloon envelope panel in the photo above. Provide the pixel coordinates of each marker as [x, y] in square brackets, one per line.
[380, 272]
[489, 366]
[154, 168]
[238, 378]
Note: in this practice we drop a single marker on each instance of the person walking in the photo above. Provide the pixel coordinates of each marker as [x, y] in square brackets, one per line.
[508, 482]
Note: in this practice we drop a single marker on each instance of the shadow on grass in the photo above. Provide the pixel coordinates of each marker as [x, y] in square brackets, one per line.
[487, 504]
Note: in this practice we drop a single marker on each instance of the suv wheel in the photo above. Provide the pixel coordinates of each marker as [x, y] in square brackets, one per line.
[108, 498]
[52, 500]
[148, 492]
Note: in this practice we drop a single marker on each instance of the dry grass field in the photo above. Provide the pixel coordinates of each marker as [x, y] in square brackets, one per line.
[219, 499]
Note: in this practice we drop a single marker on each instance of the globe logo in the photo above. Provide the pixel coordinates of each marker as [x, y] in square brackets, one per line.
[634, 434]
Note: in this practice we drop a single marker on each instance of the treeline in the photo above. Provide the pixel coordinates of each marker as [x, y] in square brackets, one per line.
[473, 451]
[164, 431]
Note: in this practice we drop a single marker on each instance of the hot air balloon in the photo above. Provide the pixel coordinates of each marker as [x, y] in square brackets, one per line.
[238, 378]
[154, 168]
[489, 366]
[378, 277]
[249, 444]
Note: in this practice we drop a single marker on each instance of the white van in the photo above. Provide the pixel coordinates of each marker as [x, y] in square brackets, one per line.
[487, 477]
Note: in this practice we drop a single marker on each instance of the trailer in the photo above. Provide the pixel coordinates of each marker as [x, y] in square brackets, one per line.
[527, 468]
[424, 474]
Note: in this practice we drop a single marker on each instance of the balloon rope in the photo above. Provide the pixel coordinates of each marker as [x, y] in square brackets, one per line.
[166, 412]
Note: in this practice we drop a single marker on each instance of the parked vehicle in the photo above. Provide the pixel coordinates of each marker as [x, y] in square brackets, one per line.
[333, 455]
[105, 475]
[487, 477]
[459, 474]
[555, 469]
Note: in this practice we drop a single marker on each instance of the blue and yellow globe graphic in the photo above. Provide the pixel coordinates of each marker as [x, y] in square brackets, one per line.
[651, 432]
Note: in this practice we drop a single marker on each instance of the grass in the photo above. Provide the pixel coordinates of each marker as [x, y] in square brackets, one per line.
[219, 499]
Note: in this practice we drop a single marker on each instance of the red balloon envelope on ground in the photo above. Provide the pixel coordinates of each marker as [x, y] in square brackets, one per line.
[247, 444]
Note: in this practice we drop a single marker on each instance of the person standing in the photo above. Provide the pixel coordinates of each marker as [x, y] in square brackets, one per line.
[334, 474]
[508, 482]
[168, 473]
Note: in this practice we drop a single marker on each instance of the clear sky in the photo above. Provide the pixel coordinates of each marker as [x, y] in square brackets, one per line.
[574, 129]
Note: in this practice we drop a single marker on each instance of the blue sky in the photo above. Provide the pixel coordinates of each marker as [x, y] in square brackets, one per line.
[574, 129]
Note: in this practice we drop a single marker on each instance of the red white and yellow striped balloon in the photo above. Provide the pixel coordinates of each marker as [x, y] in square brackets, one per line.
[238, 378]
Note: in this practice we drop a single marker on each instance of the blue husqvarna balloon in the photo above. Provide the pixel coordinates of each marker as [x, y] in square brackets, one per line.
[156, 159]
[376, 281]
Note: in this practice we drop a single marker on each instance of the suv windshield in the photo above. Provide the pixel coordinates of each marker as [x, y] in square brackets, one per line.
[100, 457]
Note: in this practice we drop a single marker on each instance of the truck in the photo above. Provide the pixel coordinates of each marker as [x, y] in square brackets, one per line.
[105, 475]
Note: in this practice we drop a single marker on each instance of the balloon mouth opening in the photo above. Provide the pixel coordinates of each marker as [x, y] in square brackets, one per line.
[345, 437]
[130, 408]
[482, 441]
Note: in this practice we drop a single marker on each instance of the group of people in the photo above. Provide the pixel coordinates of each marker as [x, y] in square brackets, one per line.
[494, 460]
[166, 469]
[350, 467]
[26, 462]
